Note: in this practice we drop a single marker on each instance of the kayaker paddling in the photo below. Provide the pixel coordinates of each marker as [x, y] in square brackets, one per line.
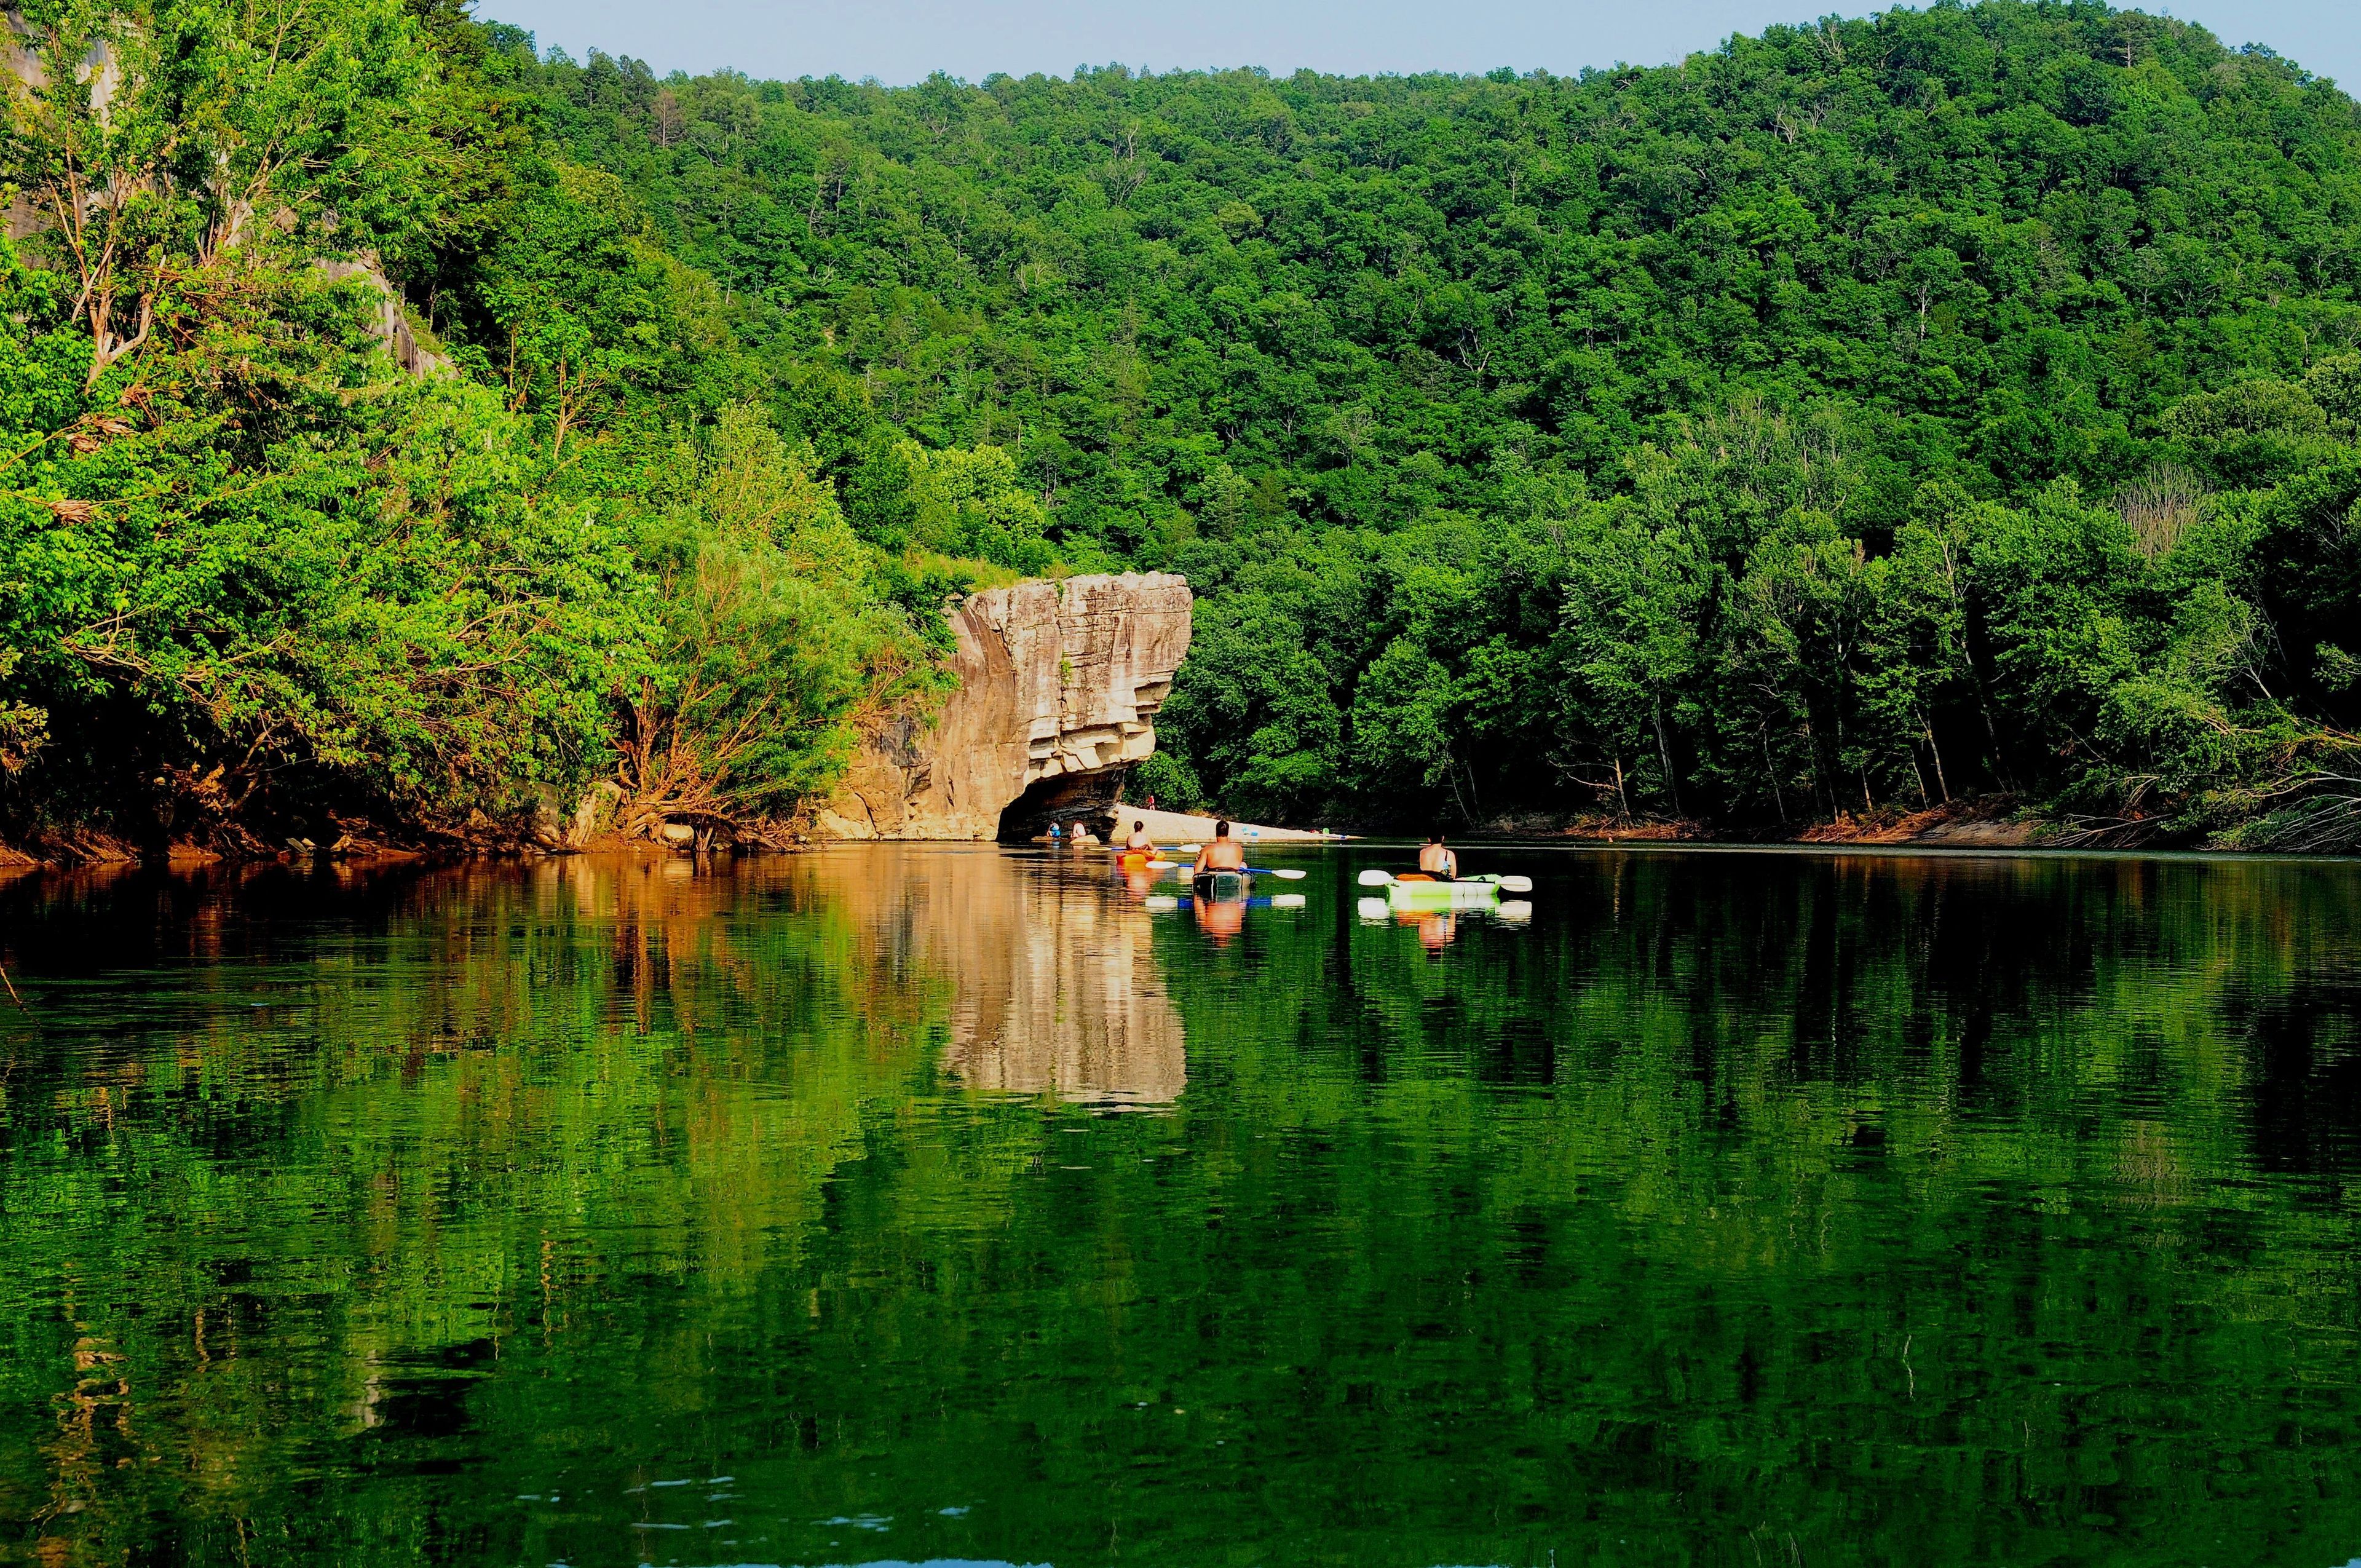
[1435, 860]
[1224, 853]
[1136, 859]
[1220, 877]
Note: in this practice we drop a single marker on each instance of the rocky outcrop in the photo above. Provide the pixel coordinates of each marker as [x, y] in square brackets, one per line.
[389, 319]
[1059, 686]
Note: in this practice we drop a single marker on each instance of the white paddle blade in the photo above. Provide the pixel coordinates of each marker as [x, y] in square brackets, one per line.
[1190, 849]
[1516, 885]
[1162, 865]
[1291, 875]
[1286, 901]
[1376, 879]
[1514, 912]
[1161, 901]
[1376, 912]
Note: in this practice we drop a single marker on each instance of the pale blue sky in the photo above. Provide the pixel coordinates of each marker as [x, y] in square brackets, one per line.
[902, 40]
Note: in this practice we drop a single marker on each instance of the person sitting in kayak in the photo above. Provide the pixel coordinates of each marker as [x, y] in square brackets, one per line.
[1436, 860]
[1139, 838]
[1224, 853]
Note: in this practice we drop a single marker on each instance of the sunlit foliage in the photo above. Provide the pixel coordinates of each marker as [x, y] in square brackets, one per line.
[1864, 414]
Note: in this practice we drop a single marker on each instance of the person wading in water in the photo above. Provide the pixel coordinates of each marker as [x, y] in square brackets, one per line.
[1436, 860]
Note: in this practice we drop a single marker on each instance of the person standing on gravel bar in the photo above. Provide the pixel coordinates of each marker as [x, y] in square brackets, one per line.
[1436, 860]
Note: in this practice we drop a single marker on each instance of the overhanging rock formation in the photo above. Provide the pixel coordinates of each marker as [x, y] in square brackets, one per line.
[1058, 686]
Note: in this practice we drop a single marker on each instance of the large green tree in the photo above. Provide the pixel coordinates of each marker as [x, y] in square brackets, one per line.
[261, 576]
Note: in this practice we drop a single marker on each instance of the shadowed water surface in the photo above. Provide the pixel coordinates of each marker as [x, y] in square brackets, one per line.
[908, 1204]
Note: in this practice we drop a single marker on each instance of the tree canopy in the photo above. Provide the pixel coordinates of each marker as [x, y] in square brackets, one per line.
[1867, 414]
[266, 571]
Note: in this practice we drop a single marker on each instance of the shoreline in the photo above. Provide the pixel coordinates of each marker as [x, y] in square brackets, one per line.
[1989, 823]
[17, 868]
[99, 851]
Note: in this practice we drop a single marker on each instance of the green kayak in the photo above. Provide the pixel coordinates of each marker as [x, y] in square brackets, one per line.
[1414, 892]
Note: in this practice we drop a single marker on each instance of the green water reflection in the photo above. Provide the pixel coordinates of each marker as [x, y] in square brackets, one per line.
[896, 1204]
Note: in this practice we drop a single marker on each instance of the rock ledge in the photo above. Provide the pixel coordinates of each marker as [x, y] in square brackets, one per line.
[1058, 686]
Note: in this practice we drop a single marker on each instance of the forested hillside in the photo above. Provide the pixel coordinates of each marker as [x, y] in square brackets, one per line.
[259, 580]
[1866, 413]
[1869, 414]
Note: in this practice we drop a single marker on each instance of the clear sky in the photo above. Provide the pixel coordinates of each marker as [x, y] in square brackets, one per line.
[902, 40]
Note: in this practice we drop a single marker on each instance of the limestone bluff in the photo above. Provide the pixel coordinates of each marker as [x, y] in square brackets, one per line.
[1059, 683]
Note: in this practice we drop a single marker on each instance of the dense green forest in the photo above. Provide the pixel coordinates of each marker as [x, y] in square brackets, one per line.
[256, 579]
[1951, 402]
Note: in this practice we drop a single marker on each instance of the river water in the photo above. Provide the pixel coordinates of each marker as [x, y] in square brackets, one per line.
[896, 1204]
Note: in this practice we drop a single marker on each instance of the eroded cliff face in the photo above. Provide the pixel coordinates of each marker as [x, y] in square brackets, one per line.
[1059, 683]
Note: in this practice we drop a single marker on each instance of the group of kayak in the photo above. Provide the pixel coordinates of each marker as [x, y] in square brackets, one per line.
[1220, 872]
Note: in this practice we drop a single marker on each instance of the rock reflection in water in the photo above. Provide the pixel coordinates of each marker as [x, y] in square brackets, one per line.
[1056, 988]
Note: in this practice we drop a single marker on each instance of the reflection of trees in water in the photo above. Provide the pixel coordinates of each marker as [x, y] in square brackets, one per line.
[1054, 982]
[402, 1116]
[390, 1114]
[2134, 1034]
[1765, 1180]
